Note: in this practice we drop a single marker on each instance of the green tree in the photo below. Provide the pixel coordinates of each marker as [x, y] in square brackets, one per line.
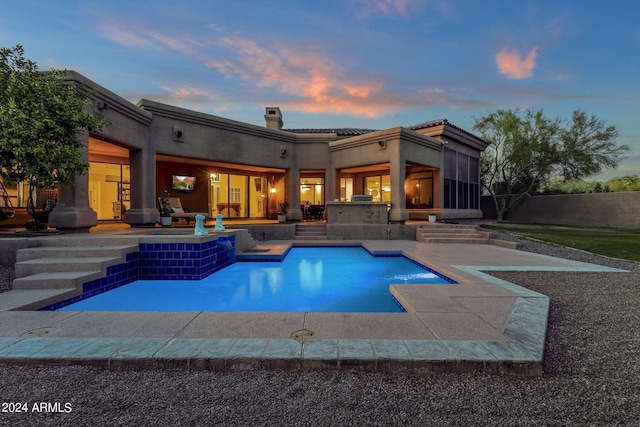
[588, 146]
[41, 116]
[527, 148]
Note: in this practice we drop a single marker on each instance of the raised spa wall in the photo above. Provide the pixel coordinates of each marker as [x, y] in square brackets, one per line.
[339, 213]
[177, 259]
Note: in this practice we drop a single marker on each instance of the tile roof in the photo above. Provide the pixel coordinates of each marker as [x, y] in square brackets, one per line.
[440, 122]
[432, 123]
[337, 131]
[347, 132]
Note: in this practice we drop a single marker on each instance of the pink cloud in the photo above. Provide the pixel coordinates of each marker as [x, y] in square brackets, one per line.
[315, 82]
[511, 64]
[303, 79]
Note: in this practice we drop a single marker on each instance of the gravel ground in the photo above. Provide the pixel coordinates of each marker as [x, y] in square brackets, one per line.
[592, 377]
[6, 277]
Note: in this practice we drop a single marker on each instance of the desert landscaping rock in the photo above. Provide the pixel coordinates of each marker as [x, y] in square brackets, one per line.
[591, 372]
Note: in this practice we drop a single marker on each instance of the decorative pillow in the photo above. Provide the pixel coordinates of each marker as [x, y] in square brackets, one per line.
[177, 210]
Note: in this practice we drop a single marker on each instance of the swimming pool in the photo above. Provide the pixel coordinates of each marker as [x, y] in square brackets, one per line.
[323, 279]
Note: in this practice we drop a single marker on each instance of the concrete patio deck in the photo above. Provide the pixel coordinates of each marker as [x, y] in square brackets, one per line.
[482, 323]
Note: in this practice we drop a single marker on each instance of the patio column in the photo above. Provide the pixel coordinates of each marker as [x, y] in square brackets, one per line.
[397, 171]
[292, 194]
[143, 212]
[331, 185]
[72, 213]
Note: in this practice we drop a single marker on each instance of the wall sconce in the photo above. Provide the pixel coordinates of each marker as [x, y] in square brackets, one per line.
[214, 177]
[273, 190]
[444, 142]
[283, 151]
[101, 105]
[178, 133]
[382, 144]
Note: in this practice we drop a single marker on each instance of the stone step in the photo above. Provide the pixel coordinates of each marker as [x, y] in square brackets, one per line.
[20, 299]
[74, 251]
[53, 265]
[311, 237]
[311, 227]
[441, 226]
[56, 280]
[314, 231]
[311, 231]
[478, 240]
[96, 240]
[460, 234]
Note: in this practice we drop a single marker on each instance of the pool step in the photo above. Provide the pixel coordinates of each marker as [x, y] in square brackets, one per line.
[454, 233]
[66, 268]
[56, 280]
[26, 299]
[311, 231]
[57, 265]
[74, 251]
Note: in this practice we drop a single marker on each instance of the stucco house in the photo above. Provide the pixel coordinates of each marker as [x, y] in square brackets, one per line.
[217, 165]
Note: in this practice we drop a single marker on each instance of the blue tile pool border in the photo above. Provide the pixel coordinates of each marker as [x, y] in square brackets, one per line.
[160, 261]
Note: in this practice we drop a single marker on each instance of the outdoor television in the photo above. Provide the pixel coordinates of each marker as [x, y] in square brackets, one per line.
[183, 182]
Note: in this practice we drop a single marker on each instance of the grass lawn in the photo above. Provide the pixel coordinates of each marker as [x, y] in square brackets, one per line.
[611, 242]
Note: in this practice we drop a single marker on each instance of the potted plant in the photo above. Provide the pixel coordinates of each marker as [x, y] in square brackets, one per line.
[165, 211]
[282, 211]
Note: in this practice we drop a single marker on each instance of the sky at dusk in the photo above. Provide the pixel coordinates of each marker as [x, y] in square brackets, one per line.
[352, 63]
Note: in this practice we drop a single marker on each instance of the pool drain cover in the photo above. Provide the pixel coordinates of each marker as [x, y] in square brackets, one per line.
[303, 335]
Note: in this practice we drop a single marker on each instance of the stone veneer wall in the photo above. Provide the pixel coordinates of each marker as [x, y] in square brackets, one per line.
[357, 213]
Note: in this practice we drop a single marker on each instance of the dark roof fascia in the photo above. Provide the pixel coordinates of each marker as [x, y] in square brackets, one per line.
[209, 120]
[451, 130]
[111, 100]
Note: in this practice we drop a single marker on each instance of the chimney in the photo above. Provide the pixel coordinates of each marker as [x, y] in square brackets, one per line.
[273, 116]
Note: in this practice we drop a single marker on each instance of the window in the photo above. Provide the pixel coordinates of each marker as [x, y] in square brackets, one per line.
[379, 187]
[346, 189]
[461, 180]
[312, 190]
[450, 183]
[234, 195]
[109, 190]
[237, 196]
[474, 186]
[420, 191]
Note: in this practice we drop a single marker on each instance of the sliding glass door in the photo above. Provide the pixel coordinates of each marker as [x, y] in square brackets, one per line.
[238, 196]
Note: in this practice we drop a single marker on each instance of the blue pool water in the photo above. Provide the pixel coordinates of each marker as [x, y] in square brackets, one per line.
[334, 279]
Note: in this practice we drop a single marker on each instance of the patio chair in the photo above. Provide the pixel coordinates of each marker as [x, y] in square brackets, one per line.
[315, 212]
[180, 212]
[40, 204]
[6, 210]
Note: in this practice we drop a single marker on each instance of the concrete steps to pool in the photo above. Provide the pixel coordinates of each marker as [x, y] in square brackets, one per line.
[456, 233]
[311, 231]
[64, 267]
